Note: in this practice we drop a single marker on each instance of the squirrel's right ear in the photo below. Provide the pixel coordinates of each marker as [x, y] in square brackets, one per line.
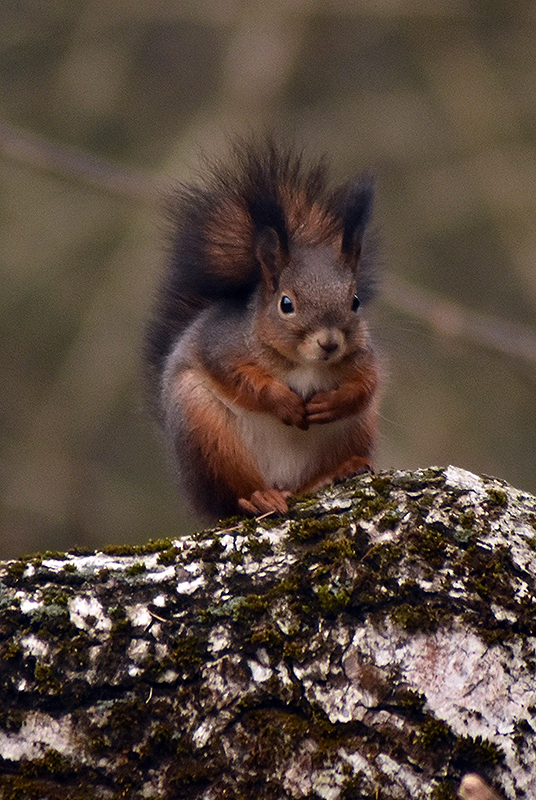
[354, 204]
[268, 252]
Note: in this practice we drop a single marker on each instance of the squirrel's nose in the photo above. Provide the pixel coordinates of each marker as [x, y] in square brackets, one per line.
[328, 345]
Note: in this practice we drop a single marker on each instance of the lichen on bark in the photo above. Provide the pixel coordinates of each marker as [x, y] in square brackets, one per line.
[379, 641]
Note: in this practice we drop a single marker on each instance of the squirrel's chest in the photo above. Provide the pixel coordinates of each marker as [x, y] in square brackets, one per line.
[287, 456]
[309, 379]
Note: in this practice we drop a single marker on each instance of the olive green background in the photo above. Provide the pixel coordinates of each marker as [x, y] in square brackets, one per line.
[438, 99]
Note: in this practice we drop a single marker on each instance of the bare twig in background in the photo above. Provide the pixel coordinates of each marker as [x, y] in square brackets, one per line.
[452, 319]
[39, 152]
[443, 315]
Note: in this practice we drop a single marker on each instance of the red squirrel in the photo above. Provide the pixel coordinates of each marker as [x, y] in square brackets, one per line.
[264, 376]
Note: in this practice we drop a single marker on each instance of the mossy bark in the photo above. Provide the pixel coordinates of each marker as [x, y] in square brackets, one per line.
[379, 642]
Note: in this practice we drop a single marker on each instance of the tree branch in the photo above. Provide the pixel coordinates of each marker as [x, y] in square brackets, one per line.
[40, 153]
[377, 642]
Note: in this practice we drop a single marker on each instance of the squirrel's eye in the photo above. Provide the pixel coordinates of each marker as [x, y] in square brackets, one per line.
[286, 305]
[355, 303]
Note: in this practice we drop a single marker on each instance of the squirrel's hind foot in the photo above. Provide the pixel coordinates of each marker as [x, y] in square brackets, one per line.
[265, 501]
[357, 465]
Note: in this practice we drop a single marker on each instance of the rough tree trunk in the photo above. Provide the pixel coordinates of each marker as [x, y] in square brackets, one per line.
[379, 642]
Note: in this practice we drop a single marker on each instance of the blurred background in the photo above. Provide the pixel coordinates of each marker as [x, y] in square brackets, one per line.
[103, 105]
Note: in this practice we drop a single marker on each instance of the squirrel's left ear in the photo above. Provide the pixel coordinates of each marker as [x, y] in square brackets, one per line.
[269, 254]
[354, 204]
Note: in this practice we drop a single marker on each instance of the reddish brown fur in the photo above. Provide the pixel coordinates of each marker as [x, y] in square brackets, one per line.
[221, 345]
[229, 237]
[226, 460]
[230, 233]
[229, 463]
[309, 223]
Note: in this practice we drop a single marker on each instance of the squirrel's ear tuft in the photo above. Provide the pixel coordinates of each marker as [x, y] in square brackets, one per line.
[267, 212]
[354, 203]
[269, 254]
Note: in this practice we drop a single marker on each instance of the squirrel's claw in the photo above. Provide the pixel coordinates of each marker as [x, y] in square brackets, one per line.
[264, 501]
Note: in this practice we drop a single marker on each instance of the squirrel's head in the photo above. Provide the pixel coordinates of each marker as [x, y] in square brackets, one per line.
[310, 293]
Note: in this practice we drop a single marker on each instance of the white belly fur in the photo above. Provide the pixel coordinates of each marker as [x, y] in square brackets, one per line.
[288, 457]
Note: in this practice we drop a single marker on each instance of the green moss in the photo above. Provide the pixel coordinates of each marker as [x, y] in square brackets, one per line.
[381, 484]
[467, 519]
[53, 596]
[424, 503]
[44, 675]
[303, 506]
[315, 528]
[53, 622]
[267, 634]
[16, 569]
[259, 548]
[79, 550]
[382, 558]
[429, 544]
[419, 617]
[296, 650]
[444, 791]
[121, 628]
[290, 585]
[369, 507]
[125, 716]
[188, 651]
[161, 741]
[229, 523]
[248, 527]
[119, 550]
[336, 547]
[477, 752]
[76, 652]
[117, 612]
[247, 610]
[410, 700]
[336, 570]
[434, 733]
[136, 569]
[28, 788]
[332, 599]
[53, 763]
[389, 521]
[152, 546]
[12, 720]
[236, 557]
[11, 650]
[169, 556]
[498, 497]
[206, 554]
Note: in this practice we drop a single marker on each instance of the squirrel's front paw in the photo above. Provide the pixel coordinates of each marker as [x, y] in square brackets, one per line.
[289, 407]
[265, 501]
[325, 407]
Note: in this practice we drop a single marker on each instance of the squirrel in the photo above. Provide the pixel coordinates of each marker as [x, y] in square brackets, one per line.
[261, 366]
